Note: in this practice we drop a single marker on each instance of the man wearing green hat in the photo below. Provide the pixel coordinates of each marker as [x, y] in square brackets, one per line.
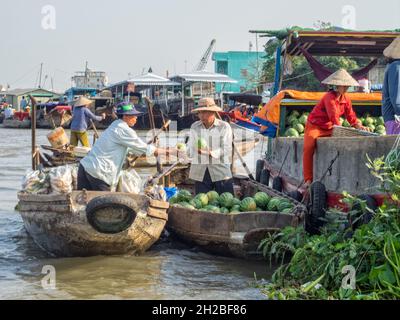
[100, 169]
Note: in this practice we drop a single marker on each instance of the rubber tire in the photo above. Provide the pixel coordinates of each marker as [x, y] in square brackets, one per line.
[317, 210]
[112, 202]
[296, 195]
[367, 217]
[277, 184]
[259, 169]
[264, 177]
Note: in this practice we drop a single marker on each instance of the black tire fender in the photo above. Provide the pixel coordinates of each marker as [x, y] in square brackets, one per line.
[317, 208]
[259, 168]
[264, 177]
[111, 214]
[277, 184]
[366, 216]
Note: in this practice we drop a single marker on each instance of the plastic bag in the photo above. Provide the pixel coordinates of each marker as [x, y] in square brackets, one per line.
[61, 179]
[156, 192]
[36, 182]
[130, 182]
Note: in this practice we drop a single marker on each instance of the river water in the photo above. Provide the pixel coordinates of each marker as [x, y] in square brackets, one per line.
[170, 270]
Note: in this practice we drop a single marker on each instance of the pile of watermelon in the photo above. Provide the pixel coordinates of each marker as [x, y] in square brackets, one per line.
[296, 123]
[226, 203]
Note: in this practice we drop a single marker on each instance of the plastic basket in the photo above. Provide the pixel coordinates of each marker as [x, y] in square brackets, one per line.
[339, 131]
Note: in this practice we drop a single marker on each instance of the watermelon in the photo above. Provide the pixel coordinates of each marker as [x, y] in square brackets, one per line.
[211, 209]
[202, 144]
[299, 128]
[184, 196]
[380, 121]
[226, 200]
[236, 202]
[284, 204]
[224, 210]
[186, 205]
[235, 209]
[291, 132]
[196, 203]
[346, 124]
[248, 205]
[174, 200]
[214, 203]
[294, 122]
[181, 147]
[303, 119]
[273, 204]
[262, 199]
[259, 209]
[287, 211]
[369, 121]
[295, 113]
[203, 199]
[212, 196]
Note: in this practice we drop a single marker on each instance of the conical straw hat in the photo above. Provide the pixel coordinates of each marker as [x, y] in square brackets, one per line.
[82, 101]
[207, 104]
[341, 78]
[393, 51]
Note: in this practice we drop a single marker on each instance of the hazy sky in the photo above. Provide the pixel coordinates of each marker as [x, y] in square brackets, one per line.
[121, 36]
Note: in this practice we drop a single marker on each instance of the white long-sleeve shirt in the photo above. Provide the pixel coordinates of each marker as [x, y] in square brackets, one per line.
[108, 155]
[219, 141]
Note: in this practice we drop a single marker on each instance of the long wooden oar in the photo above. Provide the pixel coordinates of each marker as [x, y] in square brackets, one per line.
[239, 155]
[96, 133]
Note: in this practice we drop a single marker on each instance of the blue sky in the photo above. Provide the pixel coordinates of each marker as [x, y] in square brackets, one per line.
[122, 36]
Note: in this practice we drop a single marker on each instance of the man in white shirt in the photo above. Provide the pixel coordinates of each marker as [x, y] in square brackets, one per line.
[210, 147]
[8, 112]
[100, 170]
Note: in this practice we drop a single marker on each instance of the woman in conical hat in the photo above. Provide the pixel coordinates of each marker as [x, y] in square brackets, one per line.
[391, 88]
[326, 114]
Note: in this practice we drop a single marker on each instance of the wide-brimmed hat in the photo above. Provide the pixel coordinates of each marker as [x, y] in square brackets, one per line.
[207, 104]
[393, 50]
[82, 101]
[341, 78]
[128, 109]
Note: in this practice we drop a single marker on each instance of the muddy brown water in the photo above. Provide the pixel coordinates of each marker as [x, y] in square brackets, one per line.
[170, 270]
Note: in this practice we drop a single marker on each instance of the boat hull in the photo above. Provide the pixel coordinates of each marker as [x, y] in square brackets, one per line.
[58, 224]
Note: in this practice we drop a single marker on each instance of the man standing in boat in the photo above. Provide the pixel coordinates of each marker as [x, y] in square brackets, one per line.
[80, 116]
[210, 148]
[101, 168]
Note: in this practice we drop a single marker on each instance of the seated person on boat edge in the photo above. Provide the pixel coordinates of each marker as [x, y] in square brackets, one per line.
[79, 124]
[210, 148]
[101, 168]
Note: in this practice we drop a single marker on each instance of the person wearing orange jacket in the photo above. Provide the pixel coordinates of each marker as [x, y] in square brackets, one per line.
[325, 115]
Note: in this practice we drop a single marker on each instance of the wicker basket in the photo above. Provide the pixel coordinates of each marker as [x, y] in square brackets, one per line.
[339, 131]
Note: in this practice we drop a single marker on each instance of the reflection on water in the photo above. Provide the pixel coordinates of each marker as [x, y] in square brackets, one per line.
[170, 270]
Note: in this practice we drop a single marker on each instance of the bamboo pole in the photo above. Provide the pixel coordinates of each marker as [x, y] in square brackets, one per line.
[33, 128]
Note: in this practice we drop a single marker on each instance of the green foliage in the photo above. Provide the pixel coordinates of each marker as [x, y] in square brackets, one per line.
[312, 266]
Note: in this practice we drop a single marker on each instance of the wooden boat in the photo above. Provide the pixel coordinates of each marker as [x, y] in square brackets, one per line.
[17, 124]
[118, 223]
[233, 235]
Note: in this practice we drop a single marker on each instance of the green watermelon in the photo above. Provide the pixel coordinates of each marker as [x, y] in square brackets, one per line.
[262, 199]
[235, 209]
[226, 200]
[299, 128]
[184, 196]
[248, 205]
[212, 196]
[273, 204]
[291, 133]
[211, 209]
[186, 205]
[196, 203]
[369, 121]
[295, 113]
[203, 199]
[303, 119]
[346, 124]
[293, 122]
[202, 144]
[259, 209]
[224, 210]
[284, 204]
[174, 200]
[236, 202]
[287, 211]
[214, 203]
[380, 121]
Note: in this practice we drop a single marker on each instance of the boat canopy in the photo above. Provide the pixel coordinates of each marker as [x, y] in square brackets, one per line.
[250, 99]
[146, 80]
[203, 76]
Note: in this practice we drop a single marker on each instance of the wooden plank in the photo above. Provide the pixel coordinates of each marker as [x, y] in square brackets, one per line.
[157, 213]
[44, 207]
[23, 196]
[159, 204]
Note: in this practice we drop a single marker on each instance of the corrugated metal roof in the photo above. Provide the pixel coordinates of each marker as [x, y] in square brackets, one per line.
[204, 76]
[149, 79]
[20, 92]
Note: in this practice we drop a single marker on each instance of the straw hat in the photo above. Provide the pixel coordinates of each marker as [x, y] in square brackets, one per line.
[341, 78]
[393, 51]
[207, 104]
[82, 101]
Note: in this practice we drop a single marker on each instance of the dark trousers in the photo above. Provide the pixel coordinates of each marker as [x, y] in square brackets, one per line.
[86, 181]
[207, 185]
